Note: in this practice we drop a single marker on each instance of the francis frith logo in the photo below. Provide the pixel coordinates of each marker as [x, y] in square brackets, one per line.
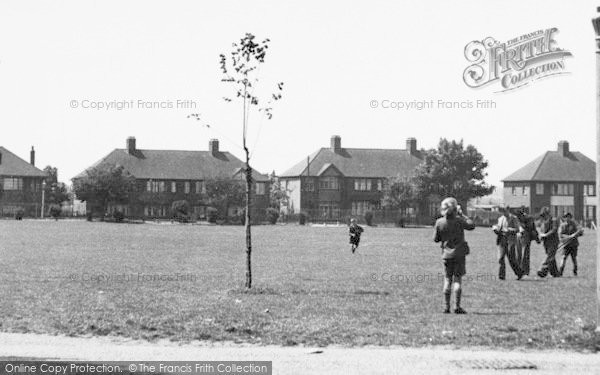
[514, 63]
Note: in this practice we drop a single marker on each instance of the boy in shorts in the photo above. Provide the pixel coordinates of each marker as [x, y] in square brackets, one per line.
[449, 230]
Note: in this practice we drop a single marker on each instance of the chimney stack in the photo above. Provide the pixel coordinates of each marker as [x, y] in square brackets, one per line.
[131, 145]
[213, 146]
[32, 156]
[563, 148]
[336, 143]
[411, 146]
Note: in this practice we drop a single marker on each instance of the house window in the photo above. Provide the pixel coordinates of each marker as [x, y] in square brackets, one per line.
[514, 190]
[539, 189]
[589, 212]
[379, 185]
[589, 190]
[173, 187]
[13, 183]
[200, 187]
[362, 184]
[187, 187]
[525, 191]
[309, 184]
[329, 183]
[260, 188]
[563, 189]
[360, 207]
[329, 210]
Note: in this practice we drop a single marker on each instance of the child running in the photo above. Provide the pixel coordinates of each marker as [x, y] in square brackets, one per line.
[355, 232]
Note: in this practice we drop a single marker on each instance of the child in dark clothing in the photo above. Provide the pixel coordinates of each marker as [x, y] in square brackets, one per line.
[355, 232]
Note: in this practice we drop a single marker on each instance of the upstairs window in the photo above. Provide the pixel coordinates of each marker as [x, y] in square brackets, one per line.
[260, 188]
[539, 189]
[362, 184]
[563, 189]
[329, 183]
[12, 183]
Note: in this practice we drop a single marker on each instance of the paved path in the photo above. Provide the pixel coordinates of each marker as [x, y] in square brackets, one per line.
[302, 360]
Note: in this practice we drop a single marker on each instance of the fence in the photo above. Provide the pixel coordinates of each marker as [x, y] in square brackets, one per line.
[340, 216]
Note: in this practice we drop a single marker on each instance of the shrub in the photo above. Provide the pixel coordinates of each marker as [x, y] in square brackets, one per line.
[400, 221]
[55, 211]
[369, 218]
[181, 211]
[212, 214]
[89, 216]
[272, 215]
[302, 218]
[19, 213]
[118, 216]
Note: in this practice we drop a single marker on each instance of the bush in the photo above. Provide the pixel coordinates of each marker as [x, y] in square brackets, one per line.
[19, 214]
[181, 211]
[369, 218]
[118, 216]
[55, 211]
[302, 218]
[89, 216]
[272, 215]
[400, 221]
[212, 214]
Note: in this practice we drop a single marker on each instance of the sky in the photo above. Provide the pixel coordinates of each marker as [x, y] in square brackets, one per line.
[57, 59]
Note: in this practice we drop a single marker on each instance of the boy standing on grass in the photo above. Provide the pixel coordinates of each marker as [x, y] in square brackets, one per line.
[449, 230]
[355, 232]
[548, 233]
[568, 233]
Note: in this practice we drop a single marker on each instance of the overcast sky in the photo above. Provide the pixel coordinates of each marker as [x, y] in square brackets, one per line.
[334, 57]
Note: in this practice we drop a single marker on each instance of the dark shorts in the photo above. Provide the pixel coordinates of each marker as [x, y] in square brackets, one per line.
[354, 240]
[455, 267]
[570, 250]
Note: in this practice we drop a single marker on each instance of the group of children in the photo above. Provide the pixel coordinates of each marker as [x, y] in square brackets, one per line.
[514, 232]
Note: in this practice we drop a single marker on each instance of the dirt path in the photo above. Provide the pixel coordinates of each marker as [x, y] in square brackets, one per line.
[303, 360]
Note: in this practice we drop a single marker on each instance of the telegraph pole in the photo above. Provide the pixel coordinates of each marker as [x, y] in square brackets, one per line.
[596, 23]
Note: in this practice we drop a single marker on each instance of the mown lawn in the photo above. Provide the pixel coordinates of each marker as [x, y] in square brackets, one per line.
[309, 288]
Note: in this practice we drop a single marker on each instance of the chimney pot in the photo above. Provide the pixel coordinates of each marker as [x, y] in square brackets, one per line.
[131, 145]
[213, 146]
[336, 143]
[411, 145]
[563, 148]
[32, 156]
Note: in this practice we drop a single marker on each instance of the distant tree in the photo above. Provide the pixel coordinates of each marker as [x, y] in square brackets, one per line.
[224, 193]
[278, 195]
[104, 185]
[452, 170]
[180, 210]
[399, 193]
[55, 192]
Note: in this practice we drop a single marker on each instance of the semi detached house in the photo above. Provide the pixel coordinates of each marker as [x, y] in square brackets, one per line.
[563, 180]
[21, 184]
[336, 182]
[165, 176]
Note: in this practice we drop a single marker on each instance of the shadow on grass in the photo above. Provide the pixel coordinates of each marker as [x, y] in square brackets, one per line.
[494, 313]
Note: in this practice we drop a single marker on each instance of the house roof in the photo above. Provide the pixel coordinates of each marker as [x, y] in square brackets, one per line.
[554, 166]
[176, 165]
[12, 165]
[358, 162]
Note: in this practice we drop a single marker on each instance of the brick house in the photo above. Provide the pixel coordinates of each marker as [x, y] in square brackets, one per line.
[165, 176]
[21, 184]
[336, 182]
[563, 180]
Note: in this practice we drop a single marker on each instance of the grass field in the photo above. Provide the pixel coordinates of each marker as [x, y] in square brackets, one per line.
[79, 278]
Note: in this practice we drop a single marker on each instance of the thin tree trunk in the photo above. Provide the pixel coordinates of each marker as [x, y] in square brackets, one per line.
[248, 200]
[247, 222]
